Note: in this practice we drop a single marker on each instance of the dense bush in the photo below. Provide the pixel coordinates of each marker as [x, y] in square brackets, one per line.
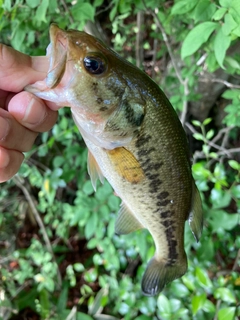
[60, 258]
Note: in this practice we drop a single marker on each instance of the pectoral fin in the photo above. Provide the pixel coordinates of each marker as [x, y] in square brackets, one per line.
[196, 216]
[94, 170]
[126, 164]
[126, 222]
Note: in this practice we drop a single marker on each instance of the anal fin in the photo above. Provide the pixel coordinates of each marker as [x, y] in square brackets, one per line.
[94, 170]
[126, 222]
[196, 216]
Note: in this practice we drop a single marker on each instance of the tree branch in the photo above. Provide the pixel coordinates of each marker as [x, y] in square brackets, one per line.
[183, 82]
[28, 197]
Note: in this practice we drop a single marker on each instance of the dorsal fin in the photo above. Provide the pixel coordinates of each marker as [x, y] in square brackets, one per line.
[94, 170]
[126, 222]
[196, 216]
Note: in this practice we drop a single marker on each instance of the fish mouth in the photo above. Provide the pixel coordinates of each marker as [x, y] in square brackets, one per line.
[57, 51]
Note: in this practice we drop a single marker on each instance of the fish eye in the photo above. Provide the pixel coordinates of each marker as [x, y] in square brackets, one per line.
[94, 65]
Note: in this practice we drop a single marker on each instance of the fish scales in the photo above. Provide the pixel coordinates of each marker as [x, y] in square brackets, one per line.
[135, 141]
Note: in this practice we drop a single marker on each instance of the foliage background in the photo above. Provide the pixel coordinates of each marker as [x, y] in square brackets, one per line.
[59, 256]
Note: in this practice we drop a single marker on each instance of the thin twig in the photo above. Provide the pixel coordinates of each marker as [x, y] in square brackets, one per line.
[209, 142]
[217, 308]
[26, 193]
[139, 39]
[72, 314]
[236, 263]
[175, 66]
[65, 6]
[221, 132]
[226, 83]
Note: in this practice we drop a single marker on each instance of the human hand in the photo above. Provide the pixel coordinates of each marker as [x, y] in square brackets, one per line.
[22, 115]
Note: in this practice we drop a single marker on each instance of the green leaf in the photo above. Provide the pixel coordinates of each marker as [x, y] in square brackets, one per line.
[226, 313]
[229, 24]
[91, 225]
[42, 10]
[209, 307]
[33, 3]
[198, 302]
[220, 219]
[207, 121]
[164, 304]
[204, 10]
[224, 294]
[225, 3]
[203, 278]
[234, 164]
[198, 136]
[210, 134]
[196, 123]
[83, 316]
[196, 37]
[219, 14]
[221, 44]
[83, 11]
[183, 6]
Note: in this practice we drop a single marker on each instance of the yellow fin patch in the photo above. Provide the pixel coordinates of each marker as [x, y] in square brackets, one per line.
[126, 164]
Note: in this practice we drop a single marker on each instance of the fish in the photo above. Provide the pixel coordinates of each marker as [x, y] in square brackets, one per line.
[135, 140]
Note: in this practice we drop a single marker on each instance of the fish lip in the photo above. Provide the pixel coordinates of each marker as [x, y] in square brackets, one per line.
[57, 51]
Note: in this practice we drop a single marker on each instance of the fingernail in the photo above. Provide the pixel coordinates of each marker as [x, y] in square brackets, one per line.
[4, 128]
[34, 113]
[4, 158]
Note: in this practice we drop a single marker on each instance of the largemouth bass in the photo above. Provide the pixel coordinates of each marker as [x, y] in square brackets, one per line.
[135, 140]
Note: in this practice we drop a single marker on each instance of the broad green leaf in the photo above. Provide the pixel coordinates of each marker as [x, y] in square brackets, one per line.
[83, 11]
[221, 44]
[226, 313]
[33, 3]
[203, 278]
[225, 3]
[225, 294]
[229, 24]
[197, 303]
[183, 6]
[42, 10]
[232, 62]
[196, 37]
[91, 225]
[18, 38]
[220, 219]
[83, 316]
[219, 14]
[208, 306]
[164, 304]
[204, 10]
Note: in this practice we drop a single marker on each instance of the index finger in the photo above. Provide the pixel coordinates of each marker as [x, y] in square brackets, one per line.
[18, 69]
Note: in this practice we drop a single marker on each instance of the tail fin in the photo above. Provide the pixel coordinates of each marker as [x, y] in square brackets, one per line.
[158, 274]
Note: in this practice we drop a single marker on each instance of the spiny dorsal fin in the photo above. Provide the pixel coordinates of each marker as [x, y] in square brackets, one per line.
[196, 216]
[126, 164]
[94, 171]
[126, 222]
